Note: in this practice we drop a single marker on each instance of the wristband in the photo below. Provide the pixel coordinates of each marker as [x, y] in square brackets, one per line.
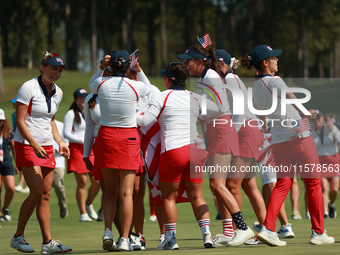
[86, 159]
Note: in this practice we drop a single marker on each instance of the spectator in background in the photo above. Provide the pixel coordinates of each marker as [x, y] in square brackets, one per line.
[59, 171]
[6, 165]
[74, 131]
[20, 187]
[326, 138]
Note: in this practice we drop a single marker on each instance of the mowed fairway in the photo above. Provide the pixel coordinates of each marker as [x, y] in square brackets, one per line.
[85, 237]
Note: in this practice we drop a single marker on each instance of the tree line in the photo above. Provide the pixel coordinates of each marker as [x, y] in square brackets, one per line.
[307, 31]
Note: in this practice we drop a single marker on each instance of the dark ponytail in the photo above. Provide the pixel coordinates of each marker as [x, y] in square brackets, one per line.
[247, 64]
[92, 101]
[118, 66]
[76, 111]
[179, 71]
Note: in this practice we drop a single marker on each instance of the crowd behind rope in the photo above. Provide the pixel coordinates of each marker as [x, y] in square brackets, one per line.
[126, 132]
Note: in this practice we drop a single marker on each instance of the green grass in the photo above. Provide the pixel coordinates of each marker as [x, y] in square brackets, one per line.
[85, 237]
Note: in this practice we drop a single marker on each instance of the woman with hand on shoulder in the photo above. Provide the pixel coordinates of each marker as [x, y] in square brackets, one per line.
[37, 103]
[74, 131]
[177, 111]
[222, 141]
[290, 146]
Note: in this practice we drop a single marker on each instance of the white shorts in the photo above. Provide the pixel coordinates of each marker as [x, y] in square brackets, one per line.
[267, 176]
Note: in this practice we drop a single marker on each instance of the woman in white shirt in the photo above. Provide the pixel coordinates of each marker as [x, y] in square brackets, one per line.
[250, 138]
[37, 103]
[118, 140]
[291, 146]
[74, 131]
[222, 141]
[326, 138]
[176, 109]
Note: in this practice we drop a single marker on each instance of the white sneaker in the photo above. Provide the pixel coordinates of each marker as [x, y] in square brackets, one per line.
[135, 243]
[124, 245]
[307, 215]
[285, 231]
[21, 244]
[270, 237]
[253, 241]
[208, 240]
[153, 218]
[240, 236]
[257, 227]
[138, 242]
[54, 246]
[321, 238]
[108, 240]
[91, 212]
[221, 240]
[7, 215]
[168, 245]
[84, 218]
[161, 238]
[18, 188]
[25, 190]
[296, 215]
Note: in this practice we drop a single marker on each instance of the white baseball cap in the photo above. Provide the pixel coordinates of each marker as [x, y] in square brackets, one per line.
[2, 115]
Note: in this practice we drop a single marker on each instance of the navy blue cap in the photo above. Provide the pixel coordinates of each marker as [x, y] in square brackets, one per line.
[53, 59]
[261, 52]
[190, 53]
[224, 56]
[169, 74]
[14, 100]
[79, 93]
[121, 54]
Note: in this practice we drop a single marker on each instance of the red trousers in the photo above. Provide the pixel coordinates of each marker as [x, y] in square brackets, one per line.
[298, 155]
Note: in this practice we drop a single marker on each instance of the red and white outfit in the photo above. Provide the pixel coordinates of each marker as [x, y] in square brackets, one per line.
[33, 93]
[249, 135]
[75, 132]
[289, 148]
[223, 137]
[326, 144]
[177, 111]
[118, 139]
[92, 118]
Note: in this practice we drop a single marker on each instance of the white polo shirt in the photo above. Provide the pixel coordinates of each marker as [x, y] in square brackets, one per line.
[177, 111]
[118, 99]
[235, 81]
[92, 119]
[40, 111]
[262, 97]
[327, 142]
[74, 131]
[211, 85]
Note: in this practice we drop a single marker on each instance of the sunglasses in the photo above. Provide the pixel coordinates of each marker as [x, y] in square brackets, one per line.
[49, 55]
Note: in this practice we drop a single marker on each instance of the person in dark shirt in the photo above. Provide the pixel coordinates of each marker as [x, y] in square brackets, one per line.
[6, 165]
